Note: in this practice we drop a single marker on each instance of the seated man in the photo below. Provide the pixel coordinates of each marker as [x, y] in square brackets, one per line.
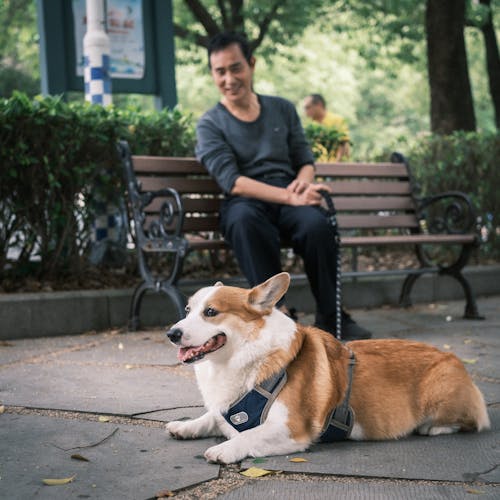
[254, 146]
[315, 108]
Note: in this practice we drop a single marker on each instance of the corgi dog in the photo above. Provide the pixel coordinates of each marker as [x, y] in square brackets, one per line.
[273, 387]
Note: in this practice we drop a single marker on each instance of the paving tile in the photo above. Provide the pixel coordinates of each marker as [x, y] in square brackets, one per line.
[97, 388]
[149, 347]
[366, 490]
[15, 350]
[133, 463]
[457, 457]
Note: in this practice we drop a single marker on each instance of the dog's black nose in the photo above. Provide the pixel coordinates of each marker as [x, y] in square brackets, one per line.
[175, 335]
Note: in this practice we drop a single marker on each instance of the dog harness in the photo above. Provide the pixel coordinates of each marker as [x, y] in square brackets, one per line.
[252, 408]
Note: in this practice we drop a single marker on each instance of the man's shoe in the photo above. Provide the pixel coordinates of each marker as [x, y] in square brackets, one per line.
[350, 329]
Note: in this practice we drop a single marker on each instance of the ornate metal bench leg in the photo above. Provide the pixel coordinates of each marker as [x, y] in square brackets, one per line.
[135, 306]
[470, 311]
[177, 298]
[404, 297]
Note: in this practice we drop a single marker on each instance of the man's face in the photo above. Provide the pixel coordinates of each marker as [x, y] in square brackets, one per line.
[232, 73]
[311, 109]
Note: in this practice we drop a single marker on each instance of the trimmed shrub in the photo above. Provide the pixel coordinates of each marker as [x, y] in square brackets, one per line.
[56, 160]
[468, 162]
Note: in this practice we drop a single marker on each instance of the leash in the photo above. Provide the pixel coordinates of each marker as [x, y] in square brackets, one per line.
[332, 217]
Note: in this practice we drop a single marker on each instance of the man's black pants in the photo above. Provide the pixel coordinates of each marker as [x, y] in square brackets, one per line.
[253, 229]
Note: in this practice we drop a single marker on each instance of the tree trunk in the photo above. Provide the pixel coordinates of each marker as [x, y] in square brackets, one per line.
[451, 97]
[492, 61]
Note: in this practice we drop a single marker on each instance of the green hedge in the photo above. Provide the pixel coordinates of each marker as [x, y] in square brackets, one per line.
[55, 159]
[468, 162]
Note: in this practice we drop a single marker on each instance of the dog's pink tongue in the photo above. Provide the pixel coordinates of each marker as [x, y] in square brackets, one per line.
[186, 353]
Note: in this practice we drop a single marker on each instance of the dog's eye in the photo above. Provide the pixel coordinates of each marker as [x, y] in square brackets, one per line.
[187, 309]
[210, 312]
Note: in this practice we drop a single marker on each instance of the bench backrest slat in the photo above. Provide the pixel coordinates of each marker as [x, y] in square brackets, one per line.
[369, 187]
[376, 221]
[197, 205]
[361, 170]
[167, 165]
[370, 203]
[181, 184]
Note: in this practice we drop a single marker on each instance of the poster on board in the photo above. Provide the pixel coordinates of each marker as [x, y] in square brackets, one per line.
[126, 36]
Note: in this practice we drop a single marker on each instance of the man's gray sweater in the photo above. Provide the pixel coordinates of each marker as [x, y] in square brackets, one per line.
[271, 146]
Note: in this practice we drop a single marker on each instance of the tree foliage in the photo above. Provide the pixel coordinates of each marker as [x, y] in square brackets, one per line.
[18, 47]
[279, 21]
[485, 23]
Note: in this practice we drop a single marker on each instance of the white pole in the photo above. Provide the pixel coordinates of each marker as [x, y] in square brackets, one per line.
[96, 52]
[109, 223]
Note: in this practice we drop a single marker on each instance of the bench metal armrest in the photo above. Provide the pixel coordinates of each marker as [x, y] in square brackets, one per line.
[450, 212]
[161, 232]
[447, 213]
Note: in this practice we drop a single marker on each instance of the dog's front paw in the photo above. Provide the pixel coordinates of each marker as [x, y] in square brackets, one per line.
[225, 453]
[180, 430]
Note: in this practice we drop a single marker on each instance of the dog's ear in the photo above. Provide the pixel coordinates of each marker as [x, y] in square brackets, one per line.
[265, 296]
[219, 283]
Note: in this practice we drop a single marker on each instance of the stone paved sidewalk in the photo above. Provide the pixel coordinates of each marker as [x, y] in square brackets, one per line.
[104, 397]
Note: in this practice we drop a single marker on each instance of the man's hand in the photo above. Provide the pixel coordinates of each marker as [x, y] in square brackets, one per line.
[306, 193]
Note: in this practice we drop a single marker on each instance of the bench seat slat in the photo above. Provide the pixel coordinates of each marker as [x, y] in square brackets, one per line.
[196, 242]
[193, 224]
[416, 239]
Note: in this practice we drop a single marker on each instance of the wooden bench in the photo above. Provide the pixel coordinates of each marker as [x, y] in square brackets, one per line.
[174, 206]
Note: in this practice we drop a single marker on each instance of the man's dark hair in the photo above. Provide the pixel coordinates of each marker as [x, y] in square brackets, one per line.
[223, 40]
[318, 99]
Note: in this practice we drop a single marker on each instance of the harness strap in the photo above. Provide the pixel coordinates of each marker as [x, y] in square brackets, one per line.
[252, 408]
[340, 422]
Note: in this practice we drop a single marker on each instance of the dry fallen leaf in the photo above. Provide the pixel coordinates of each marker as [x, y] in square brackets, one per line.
[77, 456]
[256, 472]
[164, 494]
[298, 459]
[469, 361]
[475, 492]
[102, 418]
[2, 408]
[57, 482]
